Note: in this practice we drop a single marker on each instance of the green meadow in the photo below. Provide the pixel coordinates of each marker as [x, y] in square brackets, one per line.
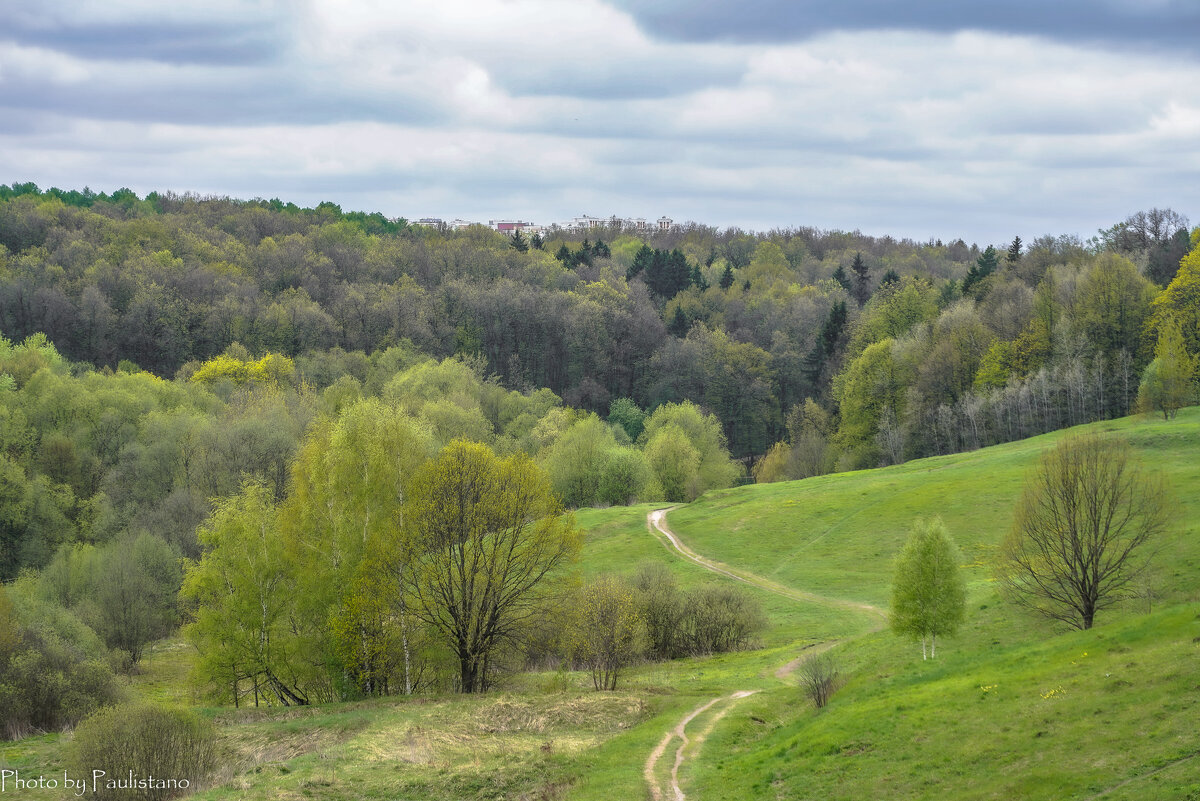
[1013, 707]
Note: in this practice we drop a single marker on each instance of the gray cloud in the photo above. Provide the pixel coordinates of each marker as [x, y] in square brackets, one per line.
[1171, 24]
[544, 110]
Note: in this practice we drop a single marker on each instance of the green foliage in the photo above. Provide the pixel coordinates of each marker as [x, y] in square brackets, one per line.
[270, 369]
[53, 668]
[168, 752]
[627, 414]
[686, 452]
[577, 459]
[624, 477]
[607, 632]
[1167, 383]
[1181, 300]
[928, 592]
[242, 592]
[488, 536]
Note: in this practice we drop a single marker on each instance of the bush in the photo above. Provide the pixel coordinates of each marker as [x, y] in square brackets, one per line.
[607, 633]
[818, 678]
[661, 605]
[53, 669]
[719, 618]
[167, 751]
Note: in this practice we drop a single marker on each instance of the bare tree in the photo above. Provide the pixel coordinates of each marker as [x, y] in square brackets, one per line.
[1077, 540]
[818, 678]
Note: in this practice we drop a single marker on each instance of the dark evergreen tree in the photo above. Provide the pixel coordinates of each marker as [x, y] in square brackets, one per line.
[1014, 250]
[679, 271]
[600, 250]
[584, 254]
[536, 241]
[564, 255]
[890, 277]
[698, 278]
[835, 326]
[519, 242]
[862, 280]
[984, 266]
[727, 277]
[839, 275]
[679, 324]
[641, 262]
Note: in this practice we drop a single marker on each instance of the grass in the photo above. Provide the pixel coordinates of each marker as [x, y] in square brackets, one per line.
[1011, 708]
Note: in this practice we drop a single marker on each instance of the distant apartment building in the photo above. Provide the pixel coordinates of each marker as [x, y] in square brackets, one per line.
[582, 223]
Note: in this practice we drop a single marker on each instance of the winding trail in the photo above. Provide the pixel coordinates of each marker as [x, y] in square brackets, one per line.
[656, 521]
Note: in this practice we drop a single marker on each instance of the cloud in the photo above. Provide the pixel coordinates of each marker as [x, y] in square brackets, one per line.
[543, 109]
[1146, 24]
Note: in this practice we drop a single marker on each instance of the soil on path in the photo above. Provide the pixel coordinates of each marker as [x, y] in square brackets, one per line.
[657, 522]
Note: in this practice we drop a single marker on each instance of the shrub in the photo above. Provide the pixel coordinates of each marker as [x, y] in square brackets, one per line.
[166, 752]
[719, 618]
[53, 669]
[818, 678]
[661, 605]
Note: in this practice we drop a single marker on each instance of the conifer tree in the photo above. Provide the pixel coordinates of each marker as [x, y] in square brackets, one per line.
[862, 279]
[518, 242]
[1014, 251]
[839, 275]
[727, 277]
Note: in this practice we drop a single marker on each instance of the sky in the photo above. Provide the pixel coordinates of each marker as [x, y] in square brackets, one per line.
[922, 119]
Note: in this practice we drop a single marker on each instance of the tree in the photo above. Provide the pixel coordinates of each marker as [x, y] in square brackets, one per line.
[727, 276]
[343, 524]
[243, 591]
[984, 266]
[536, 241]
[607, 632]
[928, 594]
[862, 279]
[1167, 383]
[839, 275]
[518, 242]
[1014, 251]
[488, 534]
[1078, 537]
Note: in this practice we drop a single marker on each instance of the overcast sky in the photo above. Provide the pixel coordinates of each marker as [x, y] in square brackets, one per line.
[928, 118]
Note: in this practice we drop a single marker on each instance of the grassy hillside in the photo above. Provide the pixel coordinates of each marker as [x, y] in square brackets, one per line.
[1011, 708]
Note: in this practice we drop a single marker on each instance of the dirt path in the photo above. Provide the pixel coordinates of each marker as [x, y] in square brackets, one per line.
[656, 521]
[680, 731]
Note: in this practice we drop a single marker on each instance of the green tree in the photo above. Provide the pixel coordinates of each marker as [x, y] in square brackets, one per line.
[489, 536]
[674, 465]
[928, 593]
[624, 477]
[1014, 251]
[576, 461]
[242, 593]
[518, 242]
[607, 631]
[712, 469]
[627, 414]
[344, 525]
[861, 281]
[1167, 382]
[727, 277]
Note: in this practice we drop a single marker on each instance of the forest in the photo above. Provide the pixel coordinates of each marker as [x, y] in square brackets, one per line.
[192, 385]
